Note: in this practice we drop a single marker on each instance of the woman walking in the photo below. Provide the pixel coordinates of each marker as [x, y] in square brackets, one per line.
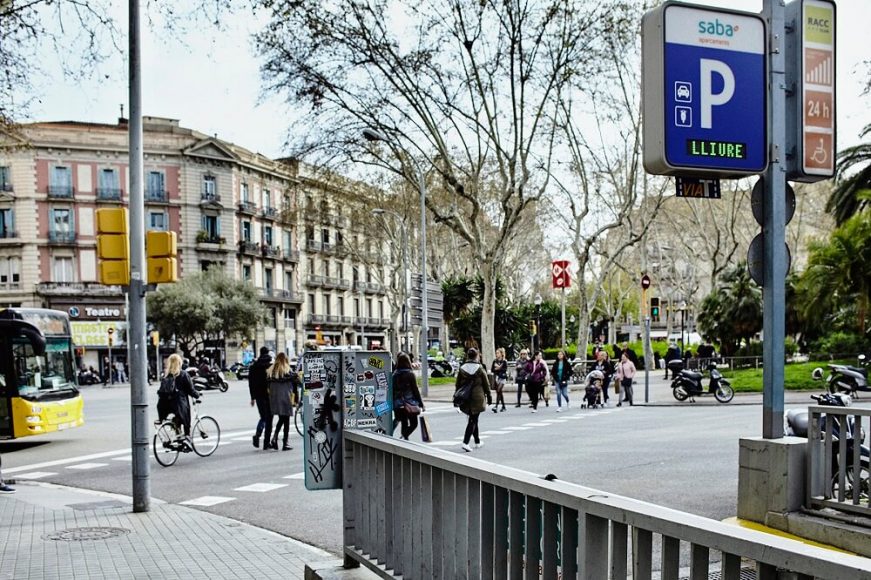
[561, 372]
[537, 377]
[473, 372]
[499, 368]
[405, 392]
[626, 372]
[282, 383]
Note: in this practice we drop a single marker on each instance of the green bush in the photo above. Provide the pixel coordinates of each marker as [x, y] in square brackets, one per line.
[840, 343]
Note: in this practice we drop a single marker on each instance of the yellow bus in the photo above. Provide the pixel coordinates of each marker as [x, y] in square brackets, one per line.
[38, 391]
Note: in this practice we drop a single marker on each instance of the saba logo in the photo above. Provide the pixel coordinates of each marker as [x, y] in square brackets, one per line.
[717, 28]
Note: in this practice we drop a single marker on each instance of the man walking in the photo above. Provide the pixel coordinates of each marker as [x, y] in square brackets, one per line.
[521, 373]
[258, 388]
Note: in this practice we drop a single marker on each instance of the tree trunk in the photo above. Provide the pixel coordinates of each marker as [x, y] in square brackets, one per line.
[583, 320]
[488, 316]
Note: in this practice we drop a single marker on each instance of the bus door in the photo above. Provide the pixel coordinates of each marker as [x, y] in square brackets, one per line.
[7, 390]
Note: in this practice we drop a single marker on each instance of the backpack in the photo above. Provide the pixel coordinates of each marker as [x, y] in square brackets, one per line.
[464, 392]
[167, 387]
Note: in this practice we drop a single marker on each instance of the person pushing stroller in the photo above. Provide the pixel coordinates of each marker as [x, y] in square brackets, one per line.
[593, 385]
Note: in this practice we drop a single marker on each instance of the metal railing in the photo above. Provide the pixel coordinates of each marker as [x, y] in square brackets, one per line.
[291, 255]
[156, 195]
[270, 213]
[60, 237]
[247, 207]
[425, 513]
[61, 191]
[109, 193]
[836, 464]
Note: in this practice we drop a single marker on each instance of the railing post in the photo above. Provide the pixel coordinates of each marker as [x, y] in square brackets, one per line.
[350, 502]
[595, 548]
[642, 554]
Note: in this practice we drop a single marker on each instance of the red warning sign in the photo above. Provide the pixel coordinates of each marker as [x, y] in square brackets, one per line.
[560, 277]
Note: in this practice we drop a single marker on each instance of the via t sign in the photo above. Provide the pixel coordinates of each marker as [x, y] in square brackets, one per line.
[704, 88]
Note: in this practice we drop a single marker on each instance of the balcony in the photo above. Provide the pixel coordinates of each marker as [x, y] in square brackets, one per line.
[6, 186]
[273, 252]
[343, 284]
[278, 295]
[210, 196]
[248, 247]
[333, 319]
[347, 320]
[247, 207]
[316, 319]
[330, 282]
[210, 242]
[313, 246]
[368, 287]
[328, 248]
[314, 281]
[290, 256]
[60, 191]
[269, 213]
[62, 238]
[385, 322]
[8, 235]
[76, 289]
[108, 194]
[156, 196]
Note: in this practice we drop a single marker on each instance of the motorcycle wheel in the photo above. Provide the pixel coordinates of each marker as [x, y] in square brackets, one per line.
[864, 483]
[224, 386]
[679, 393]
[724, 393]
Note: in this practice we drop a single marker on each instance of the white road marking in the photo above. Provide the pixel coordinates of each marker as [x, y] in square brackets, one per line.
[124, 458]
[248, 439]
[300, 475]
[261, 487]
[517, 428]
[536, 424]
[554, 421]
[495, 432]
[87, 466]
[225, 442]
[207, 500]
[444, 443]
[34, 475]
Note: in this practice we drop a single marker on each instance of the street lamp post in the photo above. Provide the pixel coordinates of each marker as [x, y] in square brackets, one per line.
[404, 234]
[371, 135]
[683, 311]
[537, 345]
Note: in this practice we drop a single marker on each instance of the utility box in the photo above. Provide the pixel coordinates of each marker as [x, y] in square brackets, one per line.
[342, 389]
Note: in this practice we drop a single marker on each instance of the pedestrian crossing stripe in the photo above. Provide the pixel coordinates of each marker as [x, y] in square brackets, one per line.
[207, 501]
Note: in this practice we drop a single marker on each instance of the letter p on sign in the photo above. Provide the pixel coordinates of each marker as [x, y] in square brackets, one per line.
[708, 98]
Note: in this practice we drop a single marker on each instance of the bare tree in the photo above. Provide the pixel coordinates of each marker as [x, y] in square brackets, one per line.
[464, 88]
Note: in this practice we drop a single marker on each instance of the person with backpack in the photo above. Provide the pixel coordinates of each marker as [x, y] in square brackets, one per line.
[626, 373]
[561, 373]
[537, 377]
[406, 396]
[259, 390]
[172, 395]
[472, 388]
[499, 368]
[282, 384]
[521, 374]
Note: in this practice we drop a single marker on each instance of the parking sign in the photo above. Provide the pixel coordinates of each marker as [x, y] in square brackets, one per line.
[704, 83]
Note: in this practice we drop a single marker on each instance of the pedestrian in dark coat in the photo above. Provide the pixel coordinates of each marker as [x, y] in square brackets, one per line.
[283, 383]
[405, 391]
[561, 372]
[537, 369]
[474, 372]
[673, 353]
[259, 390]
[179, 405]
[604, 365]
[499, 368]
[521, 374]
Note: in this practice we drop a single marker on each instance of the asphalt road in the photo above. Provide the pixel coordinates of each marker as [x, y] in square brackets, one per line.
[683, 457]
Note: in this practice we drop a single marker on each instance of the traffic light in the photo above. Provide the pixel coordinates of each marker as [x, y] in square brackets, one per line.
[533, 329]
[155, 338]
[161, 249]
[113, 247]
[654, 308]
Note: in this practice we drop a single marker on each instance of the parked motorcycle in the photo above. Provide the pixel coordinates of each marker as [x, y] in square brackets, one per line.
[214, 380]
[240, 370]
[796, 425]
[846, 378]
[688, 385]
[441, 368]
[88, 378]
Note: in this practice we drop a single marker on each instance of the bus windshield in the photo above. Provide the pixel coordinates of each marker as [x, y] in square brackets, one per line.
[41, 376]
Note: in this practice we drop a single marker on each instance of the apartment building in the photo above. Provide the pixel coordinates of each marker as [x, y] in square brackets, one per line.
[232, 208]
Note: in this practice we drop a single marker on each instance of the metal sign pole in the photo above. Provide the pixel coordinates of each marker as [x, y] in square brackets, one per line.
[564, 317]
[774, 229]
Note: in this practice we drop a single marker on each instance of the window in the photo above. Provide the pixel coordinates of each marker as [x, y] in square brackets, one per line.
[355, 274]
[311, 266]
[311, 303]
[326, 267]
[267, 235]
[369, 310]
[340, 270]
[288, 279]
[108, 182]
[381, 308]
[155, 184]
[61, 220]
[357, 308]
[157, 221]
[285, 203]
[340, 303]
[325, 236]
[212, 226]
[243, 192]
[339, 238]
[63, 269]
[210, 187]
[310, 233]
[246, 231]
[267, 199]
[267, 278]
[10, 272]
[206, 264]
[289, 317]
[287, 236]
[61, 177]
[5, 178]
[326, 299]
[273, 315]
[369, 275]
[246, 272]
[7, 223]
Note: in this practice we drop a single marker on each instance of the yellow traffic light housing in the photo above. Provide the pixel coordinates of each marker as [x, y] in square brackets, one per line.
[161, 249]
[113, 246]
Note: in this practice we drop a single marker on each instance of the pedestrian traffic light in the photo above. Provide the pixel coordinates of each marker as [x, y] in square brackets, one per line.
[533, 329]
[161, 249]
[113, 247]
[654, 307]
[155, 338]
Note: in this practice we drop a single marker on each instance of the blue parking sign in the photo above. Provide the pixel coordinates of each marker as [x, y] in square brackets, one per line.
[704, 92]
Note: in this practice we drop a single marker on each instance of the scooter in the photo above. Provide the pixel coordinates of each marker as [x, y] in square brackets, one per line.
[847, 379]
[89, 378]
[796, 425]
[688, 385]
[213, 381]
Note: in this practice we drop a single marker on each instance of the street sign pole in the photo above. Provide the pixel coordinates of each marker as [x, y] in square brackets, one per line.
[774, 229]
[564, 318]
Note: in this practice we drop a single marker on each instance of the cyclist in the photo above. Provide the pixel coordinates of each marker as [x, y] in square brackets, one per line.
[178, 403]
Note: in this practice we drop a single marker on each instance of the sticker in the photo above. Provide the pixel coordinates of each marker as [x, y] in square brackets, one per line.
[367, 390]
[381, 380]
[369, 375]
[380, 394]
[350, 423]
[350, 403]
[350, 388]
[316, 398]
[320, 437]
[382, 408]
[366, 423]
[368, 402]
[349, 378]
[376, 362]
[361, 377]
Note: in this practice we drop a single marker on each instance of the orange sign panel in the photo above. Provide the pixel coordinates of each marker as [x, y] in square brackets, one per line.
[818, 152]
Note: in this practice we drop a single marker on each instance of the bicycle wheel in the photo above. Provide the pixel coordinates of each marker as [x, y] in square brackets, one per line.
[165, 448]
[205, 436]
[297, 420]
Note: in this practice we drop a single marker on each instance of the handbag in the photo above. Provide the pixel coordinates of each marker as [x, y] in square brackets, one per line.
[410, 408]
[617, 385]
[425, 432]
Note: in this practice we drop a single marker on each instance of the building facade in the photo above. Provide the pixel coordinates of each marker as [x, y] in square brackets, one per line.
[254, 217]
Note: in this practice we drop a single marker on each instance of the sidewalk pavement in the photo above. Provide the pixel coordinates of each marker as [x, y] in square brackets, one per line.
[50, 531]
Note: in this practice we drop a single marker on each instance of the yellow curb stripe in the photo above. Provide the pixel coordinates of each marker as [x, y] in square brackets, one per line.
[750, 525]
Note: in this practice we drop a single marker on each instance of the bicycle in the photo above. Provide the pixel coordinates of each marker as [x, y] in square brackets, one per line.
[297, 415]
[169, 440]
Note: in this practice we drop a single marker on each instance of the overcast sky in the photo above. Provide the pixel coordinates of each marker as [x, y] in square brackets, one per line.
[211, 83]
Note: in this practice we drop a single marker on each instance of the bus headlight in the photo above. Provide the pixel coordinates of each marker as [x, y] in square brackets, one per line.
[35, 409]
[34, 419]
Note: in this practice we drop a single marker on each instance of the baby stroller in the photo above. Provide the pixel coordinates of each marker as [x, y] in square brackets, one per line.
[593, 390]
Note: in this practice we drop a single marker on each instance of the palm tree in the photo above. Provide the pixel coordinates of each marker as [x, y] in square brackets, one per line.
[847, 197]
[733, 311]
